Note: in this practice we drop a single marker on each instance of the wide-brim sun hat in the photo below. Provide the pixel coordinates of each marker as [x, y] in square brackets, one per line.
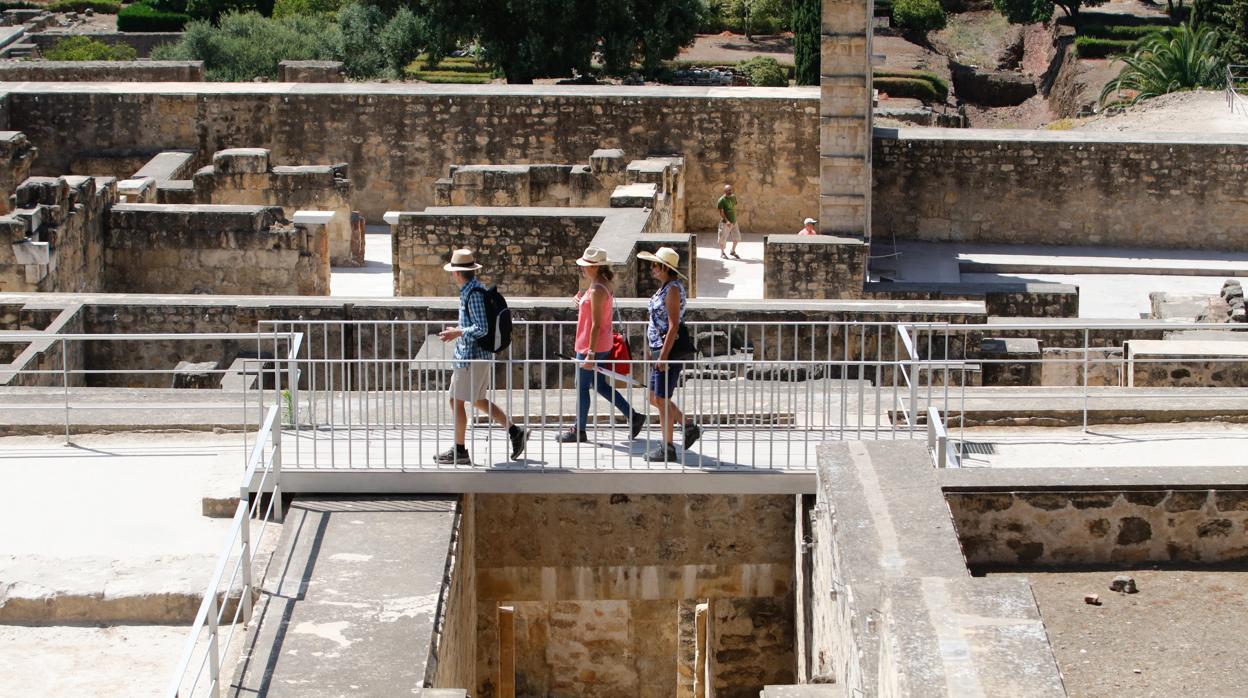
[665, 256]
[594, 257]
[462, 260]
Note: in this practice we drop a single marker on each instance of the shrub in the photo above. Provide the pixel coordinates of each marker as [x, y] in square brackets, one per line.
[104, 7]
[83, 48]
[141, 17]
[913, 88]
[1024, 11]
[1172, 60]
[1119, 31]
[938, 84]
[247, 46]
[764, 72]
[19, 5]
[361, 54]
[1092, 47]
[402, 40]
[918, 16]
[290, 8]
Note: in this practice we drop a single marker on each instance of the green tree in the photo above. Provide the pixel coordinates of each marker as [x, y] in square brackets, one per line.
[1171, 60]
[764, 71]
[84, 48]
[806, 32]
[289, 8]
[1030, 11]
[402, 40]
[1229, 18]
[527, 39]
[359, 26]
[247, 46]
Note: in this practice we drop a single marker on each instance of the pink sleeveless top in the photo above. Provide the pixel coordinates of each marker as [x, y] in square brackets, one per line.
[602, 342]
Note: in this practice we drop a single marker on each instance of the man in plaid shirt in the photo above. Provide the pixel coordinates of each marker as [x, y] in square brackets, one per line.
[472, 366]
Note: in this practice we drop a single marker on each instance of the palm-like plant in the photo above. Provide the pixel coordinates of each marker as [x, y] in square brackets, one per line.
[1173, 59]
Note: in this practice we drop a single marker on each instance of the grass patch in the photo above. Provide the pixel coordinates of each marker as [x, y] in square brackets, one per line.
[975, 40]
[1060, 125]
[450, 78]
[449, 71]
[939, 85]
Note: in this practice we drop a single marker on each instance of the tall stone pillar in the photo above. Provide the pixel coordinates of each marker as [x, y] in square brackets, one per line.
[845, 118]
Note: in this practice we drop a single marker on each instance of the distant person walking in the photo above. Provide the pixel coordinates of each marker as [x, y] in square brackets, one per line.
[809, 227]
[667, 311]
[593, 344]
[472, 364]
[728, 228]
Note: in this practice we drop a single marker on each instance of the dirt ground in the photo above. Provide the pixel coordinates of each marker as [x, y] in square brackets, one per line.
[1181, 635]
[732, 48]
[1180, 112]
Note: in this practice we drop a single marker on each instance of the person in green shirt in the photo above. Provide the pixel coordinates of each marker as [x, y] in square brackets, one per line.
[728, 228]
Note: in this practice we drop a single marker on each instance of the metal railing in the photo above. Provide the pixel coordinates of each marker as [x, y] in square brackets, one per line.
[764, 393]
[1236, 82]
[223, 604]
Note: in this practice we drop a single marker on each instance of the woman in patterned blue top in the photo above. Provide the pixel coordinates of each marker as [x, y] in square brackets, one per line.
[667, 311]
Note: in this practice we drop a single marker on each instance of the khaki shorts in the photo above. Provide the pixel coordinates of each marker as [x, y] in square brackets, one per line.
[728, 232]
[469, 384]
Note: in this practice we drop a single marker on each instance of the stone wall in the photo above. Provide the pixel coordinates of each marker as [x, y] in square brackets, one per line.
[1097, 526]
[142, 42]
[155, 248]
[102, 71]
[53, 241]
[453, 654]
[399, 139]
[598, 583]
[16, 157]
[310, 71]
[1185, 363]
[821, 266]
[245, 176]
[1060, 188]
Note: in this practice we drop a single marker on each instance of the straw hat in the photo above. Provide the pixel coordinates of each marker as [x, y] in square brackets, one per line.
[461, 260]
[594, 257]
[665, 256]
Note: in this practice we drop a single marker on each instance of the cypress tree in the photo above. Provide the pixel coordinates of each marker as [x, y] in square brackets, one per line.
[806, 41]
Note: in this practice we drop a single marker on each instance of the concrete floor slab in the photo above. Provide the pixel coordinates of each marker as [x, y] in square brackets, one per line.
[349, 606]
[373, 280]
[1107, 446]
[730, 278]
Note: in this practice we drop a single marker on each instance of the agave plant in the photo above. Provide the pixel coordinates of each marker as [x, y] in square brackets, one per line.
[1171, 60]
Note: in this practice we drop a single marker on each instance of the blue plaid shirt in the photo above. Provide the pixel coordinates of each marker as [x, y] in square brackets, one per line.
[473, 322]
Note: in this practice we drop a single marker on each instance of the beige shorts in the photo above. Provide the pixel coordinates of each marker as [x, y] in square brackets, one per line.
[470, 384]
[728, 232]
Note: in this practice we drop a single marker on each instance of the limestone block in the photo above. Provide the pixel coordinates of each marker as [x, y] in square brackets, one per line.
[140, 190]
[635, 196]
[844, 97]
[844, 175]
[844, 17]
[605, 160]
[241, 161]
[841, 54]
[843, 136]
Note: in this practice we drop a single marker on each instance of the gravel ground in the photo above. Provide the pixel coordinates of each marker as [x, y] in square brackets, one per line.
[1179, 112]
[732, 48]
[1181, 635]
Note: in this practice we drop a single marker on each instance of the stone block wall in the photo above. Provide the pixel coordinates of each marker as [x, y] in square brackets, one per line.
[245, 176]
[53, 241]
[599, 583]
[311, 71]
[399, 139]
[1060, 188]
[845, 111]
[1098, 526]
[16, 157]
[102, 71]
[157, 248]
[821, 266]
[453, 654]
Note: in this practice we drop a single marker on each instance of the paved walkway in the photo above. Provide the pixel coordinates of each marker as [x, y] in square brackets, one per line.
[373, 280]
[730, 278]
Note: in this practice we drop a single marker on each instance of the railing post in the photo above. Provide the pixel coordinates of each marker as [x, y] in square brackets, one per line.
[245, 598]
[277, 472]
[65, 382]
[942, 451]
[214, 650]
[1087, 351]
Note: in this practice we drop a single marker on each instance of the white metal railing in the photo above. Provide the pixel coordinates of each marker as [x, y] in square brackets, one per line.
[201, 658]
[938, 441]
[764, 393]
[1236, 81]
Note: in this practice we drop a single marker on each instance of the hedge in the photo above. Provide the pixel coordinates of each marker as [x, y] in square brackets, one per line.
[1091, 47]
[20, 5]
[144, 18]
[912, 88]
[1121, 32]
[440, 77]
[103, 7]
[938, 84]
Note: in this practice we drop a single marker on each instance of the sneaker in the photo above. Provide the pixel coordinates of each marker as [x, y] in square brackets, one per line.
[665, 453]
[636, 424]
[453, 456]
[519, 440]
[570, 436]
[723, 256]
[734, 255]
[693, 432]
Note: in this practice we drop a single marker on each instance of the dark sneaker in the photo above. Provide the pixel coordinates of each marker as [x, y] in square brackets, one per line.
[453, 456]
[519, 440]
[571, 436]
[734, 255]
[636, 424]
[665, 453]
[693, 432]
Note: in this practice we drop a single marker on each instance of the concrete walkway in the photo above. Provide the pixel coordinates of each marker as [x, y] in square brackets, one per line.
[373, 280]
[730, 278]
[349, 605]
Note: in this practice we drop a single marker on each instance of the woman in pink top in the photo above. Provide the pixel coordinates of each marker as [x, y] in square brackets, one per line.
[593, 344]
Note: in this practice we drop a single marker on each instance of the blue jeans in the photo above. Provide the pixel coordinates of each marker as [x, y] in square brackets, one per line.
[583, 380]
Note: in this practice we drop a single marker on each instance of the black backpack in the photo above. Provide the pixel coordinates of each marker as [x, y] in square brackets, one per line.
[498, 319]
